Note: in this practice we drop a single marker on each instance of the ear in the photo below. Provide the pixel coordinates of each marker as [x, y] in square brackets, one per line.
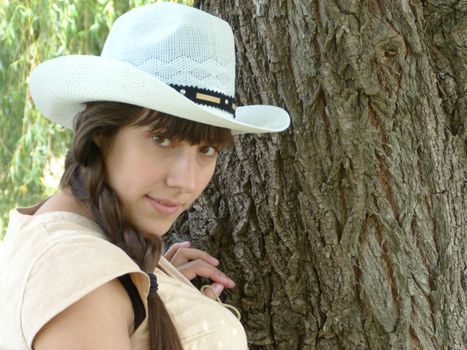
[98, 140]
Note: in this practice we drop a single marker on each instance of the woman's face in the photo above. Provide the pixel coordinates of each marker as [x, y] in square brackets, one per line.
[155, 178]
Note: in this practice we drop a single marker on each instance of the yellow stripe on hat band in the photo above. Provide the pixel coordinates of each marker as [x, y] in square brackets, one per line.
[209, 98]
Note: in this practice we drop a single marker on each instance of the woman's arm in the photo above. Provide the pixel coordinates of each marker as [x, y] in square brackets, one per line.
[101, 320]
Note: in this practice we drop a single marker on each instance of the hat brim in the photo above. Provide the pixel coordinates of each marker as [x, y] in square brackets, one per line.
[60, 87]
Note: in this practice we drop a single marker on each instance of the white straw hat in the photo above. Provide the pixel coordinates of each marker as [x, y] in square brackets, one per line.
[167, 57]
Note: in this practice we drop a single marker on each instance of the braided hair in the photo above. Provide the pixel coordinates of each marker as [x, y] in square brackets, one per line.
[85, 175]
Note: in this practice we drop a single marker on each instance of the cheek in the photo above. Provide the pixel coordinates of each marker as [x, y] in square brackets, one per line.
[126, 172]
[206, 177]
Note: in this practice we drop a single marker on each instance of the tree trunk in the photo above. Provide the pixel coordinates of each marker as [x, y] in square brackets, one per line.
[348, 230]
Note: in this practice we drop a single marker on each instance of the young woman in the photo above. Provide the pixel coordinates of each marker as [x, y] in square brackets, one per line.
[83, 269]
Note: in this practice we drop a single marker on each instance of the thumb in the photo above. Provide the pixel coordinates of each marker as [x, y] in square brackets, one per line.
[212, 291]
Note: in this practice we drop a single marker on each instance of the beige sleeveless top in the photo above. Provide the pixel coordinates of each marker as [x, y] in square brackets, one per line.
[50, 261]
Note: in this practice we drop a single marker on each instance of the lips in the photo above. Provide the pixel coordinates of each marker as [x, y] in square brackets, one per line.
[164, 206]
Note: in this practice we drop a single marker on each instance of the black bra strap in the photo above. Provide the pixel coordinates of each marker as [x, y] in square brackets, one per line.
[136, 302]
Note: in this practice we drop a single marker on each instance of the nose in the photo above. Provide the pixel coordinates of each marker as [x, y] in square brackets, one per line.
[182, 170]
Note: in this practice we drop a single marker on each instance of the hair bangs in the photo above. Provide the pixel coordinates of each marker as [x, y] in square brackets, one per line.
[190, 131]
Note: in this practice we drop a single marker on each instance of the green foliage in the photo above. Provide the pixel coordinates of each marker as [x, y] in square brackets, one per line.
[31, 31]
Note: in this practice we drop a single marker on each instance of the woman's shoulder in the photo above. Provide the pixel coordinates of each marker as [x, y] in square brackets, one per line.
[28, 223]
[56, 235]
[87, 322]
[35, 230]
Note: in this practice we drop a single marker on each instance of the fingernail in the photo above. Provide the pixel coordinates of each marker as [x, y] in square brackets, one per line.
[185, 243]
[214, 260]
[218, 288]
[229, 282]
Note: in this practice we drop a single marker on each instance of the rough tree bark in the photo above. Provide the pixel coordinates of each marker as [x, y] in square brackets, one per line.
[347, 231]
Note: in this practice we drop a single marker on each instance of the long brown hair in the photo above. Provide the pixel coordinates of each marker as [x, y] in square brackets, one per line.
[85, 176]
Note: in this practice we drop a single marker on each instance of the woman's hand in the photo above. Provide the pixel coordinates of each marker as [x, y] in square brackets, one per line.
[192, 262]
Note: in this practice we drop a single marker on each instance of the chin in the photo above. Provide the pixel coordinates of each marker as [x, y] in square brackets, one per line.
[150, 231]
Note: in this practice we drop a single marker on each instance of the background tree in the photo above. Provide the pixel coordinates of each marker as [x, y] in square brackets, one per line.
[348, 230]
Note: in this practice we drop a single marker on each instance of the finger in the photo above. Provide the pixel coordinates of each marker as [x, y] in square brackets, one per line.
[174, 248]
[201, 268]
[169, 254]
[213, 291]
[183, 255]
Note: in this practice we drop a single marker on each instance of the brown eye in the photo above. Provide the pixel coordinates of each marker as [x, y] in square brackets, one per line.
[161, 140]
[208, 150]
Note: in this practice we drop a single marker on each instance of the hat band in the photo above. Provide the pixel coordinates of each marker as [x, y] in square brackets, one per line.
[207, 97]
